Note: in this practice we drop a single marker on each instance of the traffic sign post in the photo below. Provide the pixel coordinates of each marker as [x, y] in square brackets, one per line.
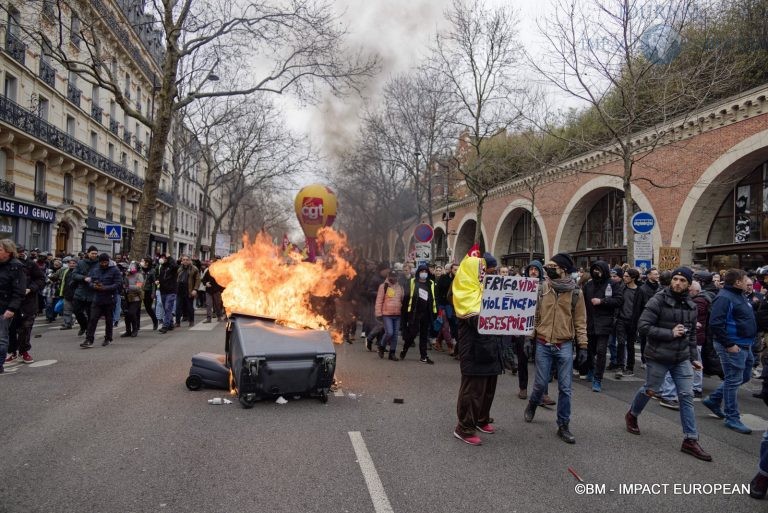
[423, 233]
[422, 252]
[643, 222]
[113, 232]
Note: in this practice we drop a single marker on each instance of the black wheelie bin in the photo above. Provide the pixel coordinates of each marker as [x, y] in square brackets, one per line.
[268, 359]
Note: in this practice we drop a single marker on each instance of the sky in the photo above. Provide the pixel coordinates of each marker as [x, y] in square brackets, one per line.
[400, 32]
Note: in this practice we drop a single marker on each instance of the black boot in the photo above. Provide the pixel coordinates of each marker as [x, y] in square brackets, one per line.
[565, 435]
[381, 352]
[393, 357]
[758, 486]
[154, 325]
[530, 411]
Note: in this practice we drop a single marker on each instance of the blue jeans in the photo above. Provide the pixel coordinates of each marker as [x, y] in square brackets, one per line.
[118, 308]
[763, 465]
[698, 375]
[4, 324]
[682, 377]
[169, 306]
[562, 357]
[668, 389]
[738, 370]
[391, 331]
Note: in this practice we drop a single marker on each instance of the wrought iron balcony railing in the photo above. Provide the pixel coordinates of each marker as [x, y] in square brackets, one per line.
[96, 113]
[140, 147]
[19, 117]
[74, 94]
[47, 74]
[7, 188]
[113, 126]
[15, 47]
[41, 197]
[127, 136]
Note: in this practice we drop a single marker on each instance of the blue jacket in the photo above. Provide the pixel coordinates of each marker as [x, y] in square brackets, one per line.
[732, 320]
[110, 280]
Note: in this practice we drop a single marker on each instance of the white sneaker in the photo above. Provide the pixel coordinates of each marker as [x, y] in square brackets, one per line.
[12, 359]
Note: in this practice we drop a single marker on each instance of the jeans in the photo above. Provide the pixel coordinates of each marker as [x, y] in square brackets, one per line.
[391, 330]
[118, 309]
[185, 307]
[698, 375]
[682, 376]
[419, 325]
[738, 370]
[98, 311]
[626, 334]
[612, 349]
[763, 465]
[668, 388]
[169, 305]
[4, 325]
[213, 305]
[562, 357]
[82, 309]
[68, 307]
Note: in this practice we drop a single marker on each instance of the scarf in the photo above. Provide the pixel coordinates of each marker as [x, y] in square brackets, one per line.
[561, 285]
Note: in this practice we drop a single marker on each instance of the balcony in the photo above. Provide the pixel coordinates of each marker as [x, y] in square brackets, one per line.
[47, 74]
[113, 126]
[41, 197]
[7, 188]
[139, 147]
[127, 137]
[74, 94]
[91, 210]
[96, 113]
[110, 215]
[29, 123]
[16, 49]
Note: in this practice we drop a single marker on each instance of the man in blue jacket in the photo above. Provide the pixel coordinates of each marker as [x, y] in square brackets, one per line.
[103, 279]
[733, 327]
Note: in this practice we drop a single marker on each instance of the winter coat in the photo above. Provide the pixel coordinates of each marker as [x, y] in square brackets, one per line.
[110, 280]
[35, 279]
[442, 287]
[479, 355]
[166, 275]
[150, 275]
[389, 300]
[13, 285]
[600, 318]
[663, 312]
[211, 286]
[644, 293]
[702, 317]
[732, 319]
[558, 319]
[193, 278]
[134, 286]
[83, 292]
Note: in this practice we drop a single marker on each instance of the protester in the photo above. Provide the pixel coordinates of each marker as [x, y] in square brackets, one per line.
[134, 290]
[479, 355]
[188, 281]
[12, 291]
[626, 325]
[104, 279]
[166, 282]
[67, 288]
[388, 308]
[213, 306]
[560, 322]
[83, 292]
[420, 311]
[669, 324]
[148, 297]
[20, 342]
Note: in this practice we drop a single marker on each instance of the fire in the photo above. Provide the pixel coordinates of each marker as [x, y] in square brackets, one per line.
[259, 281]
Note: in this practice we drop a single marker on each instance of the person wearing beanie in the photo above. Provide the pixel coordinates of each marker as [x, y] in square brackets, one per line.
[669, 323]
[560, 321]
[83, 297]
[480, 355]
[603, 299]
[734, 328]
[420, 312]
[491, 264]
[104, 280]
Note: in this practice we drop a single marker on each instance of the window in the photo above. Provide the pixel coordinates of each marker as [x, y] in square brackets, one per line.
[91, 196]
[35, 234]
[3, 166]
[42, 108]
[111, 151]
[39, 177]
[112, 110]
[109, 205]
[94, 139]
[604, 225]
[95, 96]
[68, 185]
[122, 208]
[520, 241]
[70, 126]
[14, 26]
[123, 159]
[135, 167]
[127, 88]
[9, 88]
[743, 216]
[74, 31]
[114, 69]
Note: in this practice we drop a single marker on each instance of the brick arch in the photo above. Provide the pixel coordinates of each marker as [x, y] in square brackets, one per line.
[459, 242]
[706, 196]
[504, 229]
[567, 236]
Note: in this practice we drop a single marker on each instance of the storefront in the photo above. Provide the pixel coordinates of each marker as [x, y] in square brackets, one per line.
[94, 236]
[25, 224]
[157, 244]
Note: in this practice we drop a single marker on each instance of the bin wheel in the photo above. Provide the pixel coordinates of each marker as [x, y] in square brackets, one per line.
[194, 382]
[323, 397]
[245, 403]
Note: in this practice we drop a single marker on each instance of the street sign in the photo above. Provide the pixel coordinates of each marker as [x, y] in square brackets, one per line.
[113, 232]
[422, 252]
[423, 233]
[643, 265]
[643, 246]
[643, 222]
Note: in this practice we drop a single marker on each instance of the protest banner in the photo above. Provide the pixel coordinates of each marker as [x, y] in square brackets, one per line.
[509, 305]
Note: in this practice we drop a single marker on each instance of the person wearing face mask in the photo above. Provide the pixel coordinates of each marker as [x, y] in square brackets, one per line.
[561, 321]
[188, 281]
[83, 292]
[148, 294]
[602, 299]
[104, 279]
[420, 312]
[134, 290]
[388, 307]
[166, 282]
[644, 293]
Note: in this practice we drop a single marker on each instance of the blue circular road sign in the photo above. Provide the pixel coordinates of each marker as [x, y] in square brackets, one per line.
[643, 222]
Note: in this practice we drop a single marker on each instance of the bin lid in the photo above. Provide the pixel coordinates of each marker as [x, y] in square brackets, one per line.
[262, 337]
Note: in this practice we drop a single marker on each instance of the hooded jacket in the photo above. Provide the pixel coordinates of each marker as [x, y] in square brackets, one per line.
[13, 284]
[732, 319]
[537, 265]
[663, 312]
[600, 317]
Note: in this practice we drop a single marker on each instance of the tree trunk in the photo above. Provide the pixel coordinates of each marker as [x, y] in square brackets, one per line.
[628, 210]
[214, 233]
[174, 213]
[479, 225]
[532, 235]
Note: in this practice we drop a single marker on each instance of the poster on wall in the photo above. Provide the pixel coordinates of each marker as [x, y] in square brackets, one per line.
[741, 228]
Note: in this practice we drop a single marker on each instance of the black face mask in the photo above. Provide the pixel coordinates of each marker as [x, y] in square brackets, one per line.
[596, 276]
[552, 273]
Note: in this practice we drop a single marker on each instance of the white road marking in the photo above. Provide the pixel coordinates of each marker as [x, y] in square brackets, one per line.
[204, 327]
[755, 422]
[338, 393]
[42, 363]
[375, 487]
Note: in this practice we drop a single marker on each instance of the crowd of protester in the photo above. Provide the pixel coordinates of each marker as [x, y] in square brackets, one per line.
[688, 322]
[82, 289]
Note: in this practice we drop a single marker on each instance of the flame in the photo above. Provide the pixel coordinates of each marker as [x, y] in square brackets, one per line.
[258, 280]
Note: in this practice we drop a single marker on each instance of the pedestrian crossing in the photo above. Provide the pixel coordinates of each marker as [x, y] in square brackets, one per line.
[145, 326]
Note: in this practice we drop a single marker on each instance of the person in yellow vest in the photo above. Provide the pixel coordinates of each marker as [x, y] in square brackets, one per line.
[420, 311]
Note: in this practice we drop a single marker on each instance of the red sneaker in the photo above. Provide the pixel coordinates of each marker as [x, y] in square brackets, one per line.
[487, 429]
[11, 359]
[26, 357]
[469, 439]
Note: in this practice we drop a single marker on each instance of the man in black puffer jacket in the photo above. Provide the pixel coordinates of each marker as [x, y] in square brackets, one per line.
[12, 290]
[21, 328]
[669, 323]
[104, 279]
[602, 302]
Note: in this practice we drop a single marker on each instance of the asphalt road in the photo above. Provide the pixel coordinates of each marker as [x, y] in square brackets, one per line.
[115, 430]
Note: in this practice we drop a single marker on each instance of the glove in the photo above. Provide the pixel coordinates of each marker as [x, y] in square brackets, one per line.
[581, 357]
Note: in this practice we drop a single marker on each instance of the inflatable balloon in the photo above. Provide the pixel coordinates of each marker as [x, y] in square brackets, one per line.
[315, 208]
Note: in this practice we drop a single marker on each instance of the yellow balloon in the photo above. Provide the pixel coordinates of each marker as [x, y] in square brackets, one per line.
[315, 207]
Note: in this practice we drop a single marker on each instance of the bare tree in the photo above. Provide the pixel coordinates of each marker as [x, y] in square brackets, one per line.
[621, 59]
[253, 46]
[478, 56]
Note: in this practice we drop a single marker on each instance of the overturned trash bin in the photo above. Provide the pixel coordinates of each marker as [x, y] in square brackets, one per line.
[268, 360]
